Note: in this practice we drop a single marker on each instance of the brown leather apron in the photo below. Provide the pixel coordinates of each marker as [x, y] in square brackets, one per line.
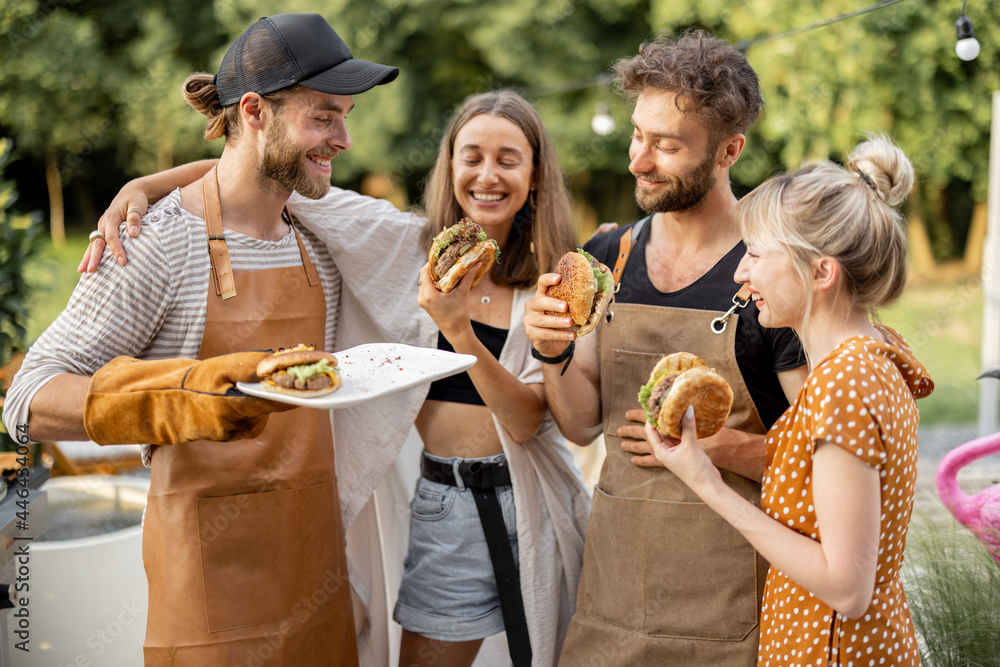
[243, 544]
[666, 580]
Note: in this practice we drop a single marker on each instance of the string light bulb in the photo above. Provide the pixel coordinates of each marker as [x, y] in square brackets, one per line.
[967, 46]
[602, 123]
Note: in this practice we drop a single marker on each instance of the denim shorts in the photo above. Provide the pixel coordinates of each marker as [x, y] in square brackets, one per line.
[449, 591]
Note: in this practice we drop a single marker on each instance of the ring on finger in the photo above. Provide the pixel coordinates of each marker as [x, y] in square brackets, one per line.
[96, 234]
[134, 209]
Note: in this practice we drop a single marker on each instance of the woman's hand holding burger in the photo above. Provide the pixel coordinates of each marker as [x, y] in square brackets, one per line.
[450, 311]
[684, 457]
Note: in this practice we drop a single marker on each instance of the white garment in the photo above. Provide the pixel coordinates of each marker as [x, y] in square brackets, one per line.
[378, 252]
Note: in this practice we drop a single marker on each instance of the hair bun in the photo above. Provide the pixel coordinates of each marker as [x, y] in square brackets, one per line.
[884, 167]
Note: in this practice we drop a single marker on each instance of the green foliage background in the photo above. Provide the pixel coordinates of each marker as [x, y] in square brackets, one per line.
[93, 85]
[19, 244]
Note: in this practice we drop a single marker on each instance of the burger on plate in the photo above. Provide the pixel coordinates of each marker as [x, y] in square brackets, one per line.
[679, 380]
[300, 371]
[455, 251]
[586, 286]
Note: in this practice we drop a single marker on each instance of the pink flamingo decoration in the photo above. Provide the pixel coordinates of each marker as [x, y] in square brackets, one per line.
[979, 513]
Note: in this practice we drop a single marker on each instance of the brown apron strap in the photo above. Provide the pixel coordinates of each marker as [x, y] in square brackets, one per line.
[624, 250]
[307, 263]
[740, 300]
[625, 247]
[222, 270]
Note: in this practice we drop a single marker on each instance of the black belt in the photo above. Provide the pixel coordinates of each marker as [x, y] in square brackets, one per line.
[475, 474]
[482, 479]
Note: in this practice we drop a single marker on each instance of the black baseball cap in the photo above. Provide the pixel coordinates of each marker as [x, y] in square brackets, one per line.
[288, 49]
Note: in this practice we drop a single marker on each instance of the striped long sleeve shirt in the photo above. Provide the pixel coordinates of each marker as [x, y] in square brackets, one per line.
[155, 306]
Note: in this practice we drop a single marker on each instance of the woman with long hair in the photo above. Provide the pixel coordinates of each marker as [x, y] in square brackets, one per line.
[500, 509]
[825, 248]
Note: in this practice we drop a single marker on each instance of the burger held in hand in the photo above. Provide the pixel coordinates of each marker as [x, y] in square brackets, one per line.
[677, 381]
[456, 250]
[586, 286]
[300, 371]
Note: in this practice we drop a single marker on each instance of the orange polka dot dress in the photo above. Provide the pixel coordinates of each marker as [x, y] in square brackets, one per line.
[861, 398]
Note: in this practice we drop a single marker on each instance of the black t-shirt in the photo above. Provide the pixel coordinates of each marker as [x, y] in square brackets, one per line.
[760, 352]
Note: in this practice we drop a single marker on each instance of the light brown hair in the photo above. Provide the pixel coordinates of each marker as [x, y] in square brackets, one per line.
[201, 95]
[709, 77]
[551, 230]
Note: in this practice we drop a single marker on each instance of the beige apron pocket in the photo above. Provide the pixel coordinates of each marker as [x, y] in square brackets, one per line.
[250, 557]
[630, 369]
[700, 574]
[613, 561]
[668, 569]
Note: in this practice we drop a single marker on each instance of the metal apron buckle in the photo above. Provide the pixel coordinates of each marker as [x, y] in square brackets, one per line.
[719, 324]
[610, 314]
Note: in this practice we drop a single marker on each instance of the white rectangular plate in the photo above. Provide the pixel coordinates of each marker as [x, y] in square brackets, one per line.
[375, 370]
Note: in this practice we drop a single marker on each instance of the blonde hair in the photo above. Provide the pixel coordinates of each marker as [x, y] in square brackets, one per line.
[850, 214]
[551, 231]
[201, 95]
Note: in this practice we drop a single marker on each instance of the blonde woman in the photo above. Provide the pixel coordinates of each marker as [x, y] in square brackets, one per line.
[825, 247]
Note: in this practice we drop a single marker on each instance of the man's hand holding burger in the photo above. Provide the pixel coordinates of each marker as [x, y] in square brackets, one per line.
[574, 299]
[574, 395]
[546, 319]
[729, 449]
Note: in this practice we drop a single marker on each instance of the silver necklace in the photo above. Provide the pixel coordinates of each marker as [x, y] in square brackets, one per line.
[485, 300]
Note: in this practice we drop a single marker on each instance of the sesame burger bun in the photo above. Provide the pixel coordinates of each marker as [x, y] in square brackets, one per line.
[582, 291]
[270, 368]
[680, 380]
[481, 249]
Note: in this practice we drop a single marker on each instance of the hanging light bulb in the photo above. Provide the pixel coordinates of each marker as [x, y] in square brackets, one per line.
[602, 123]
[967, 47]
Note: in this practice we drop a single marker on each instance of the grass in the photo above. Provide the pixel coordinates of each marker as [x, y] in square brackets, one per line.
[941, 320]
[953, 590]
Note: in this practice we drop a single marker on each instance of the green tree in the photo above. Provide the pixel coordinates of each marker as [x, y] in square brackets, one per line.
[19, 244]
[81, 78]
[893, 70]
[55, 98]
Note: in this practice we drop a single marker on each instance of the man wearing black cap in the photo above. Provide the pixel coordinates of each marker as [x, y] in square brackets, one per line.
[243, 544]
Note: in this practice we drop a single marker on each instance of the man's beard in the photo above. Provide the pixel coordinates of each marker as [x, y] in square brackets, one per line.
[282, 164]
[685, 192]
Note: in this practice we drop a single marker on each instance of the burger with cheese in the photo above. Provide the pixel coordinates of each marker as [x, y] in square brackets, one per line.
[300, 371]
